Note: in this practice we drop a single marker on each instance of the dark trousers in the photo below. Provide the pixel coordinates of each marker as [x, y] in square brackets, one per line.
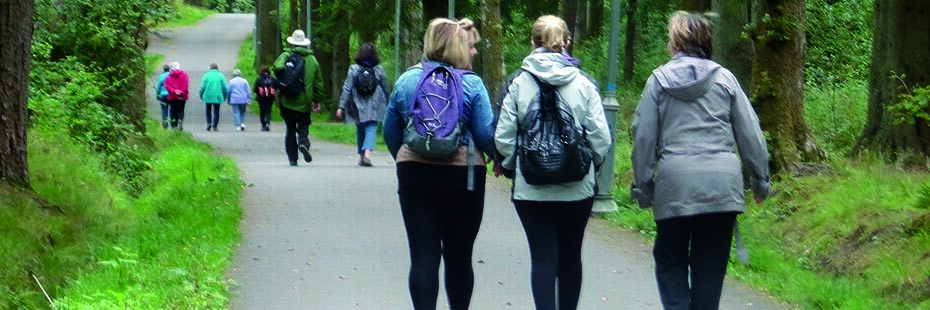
[212, 111]
[701, 244]
[176, 112]
[442, 219]
[555, 231]
[264, 112]
[297, 128]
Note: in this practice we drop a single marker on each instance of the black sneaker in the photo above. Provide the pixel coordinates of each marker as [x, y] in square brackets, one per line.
[209, 127]
[293, 163]
[306, 151]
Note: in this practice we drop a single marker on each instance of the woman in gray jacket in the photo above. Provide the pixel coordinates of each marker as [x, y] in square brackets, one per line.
[554, 216]
[365, 104]
[693, 131]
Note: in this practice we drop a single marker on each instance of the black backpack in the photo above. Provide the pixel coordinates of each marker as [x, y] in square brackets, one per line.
[551, 149]
[366, 81]
[291, 77]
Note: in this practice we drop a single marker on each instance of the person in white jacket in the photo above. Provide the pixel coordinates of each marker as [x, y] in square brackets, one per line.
[554, 216]
[693, 132]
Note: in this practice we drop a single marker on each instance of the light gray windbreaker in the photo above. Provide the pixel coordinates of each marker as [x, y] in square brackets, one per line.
[582, 98]
[693, 131]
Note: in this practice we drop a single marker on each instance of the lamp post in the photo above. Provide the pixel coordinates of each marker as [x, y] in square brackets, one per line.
[452, 9]
[604, 200]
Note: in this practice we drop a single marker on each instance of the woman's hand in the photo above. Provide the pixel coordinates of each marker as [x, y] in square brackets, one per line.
[339, 113]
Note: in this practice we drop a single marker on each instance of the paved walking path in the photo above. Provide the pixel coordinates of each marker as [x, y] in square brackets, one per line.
[329, 234]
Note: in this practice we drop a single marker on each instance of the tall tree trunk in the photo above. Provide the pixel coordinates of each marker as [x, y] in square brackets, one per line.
[730, 48]
[433, 9]
[696, 6]
[570, 15]
[778, 83]
[340, 66]
[493, 47]
[15, 54]
[411, 35]
[900, 62]
[302, 15]
[629, 53]
[581, 26]
[595, 18]
[268, 34]
[293, 13]
[365, 17]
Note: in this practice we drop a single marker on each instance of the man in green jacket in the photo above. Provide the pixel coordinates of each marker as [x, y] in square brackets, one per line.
[296, 109]
[213, 93]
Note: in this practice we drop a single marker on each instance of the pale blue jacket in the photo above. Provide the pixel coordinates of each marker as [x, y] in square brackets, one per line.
[477, 112]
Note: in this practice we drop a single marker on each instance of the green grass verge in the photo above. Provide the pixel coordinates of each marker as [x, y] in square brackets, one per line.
[187, 15]
[93, 246]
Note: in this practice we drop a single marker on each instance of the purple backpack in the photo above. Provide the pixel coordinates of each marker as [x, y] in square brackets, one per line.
[435, 129]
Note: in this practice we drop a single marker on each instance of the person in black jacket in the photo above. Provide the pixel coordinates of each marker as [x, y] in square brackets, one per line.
[264, 94]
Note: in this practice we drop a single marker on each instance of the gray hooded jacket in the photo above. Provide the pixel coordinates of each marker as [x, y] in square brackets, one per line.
[693, 132]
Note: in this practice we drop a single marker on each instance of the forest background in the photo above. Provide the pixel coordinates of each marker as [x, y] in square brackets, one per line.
[840, 87]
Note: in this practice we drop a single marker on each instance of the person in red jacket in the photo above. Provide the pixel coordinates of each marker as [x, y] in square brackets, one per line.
[177, 85]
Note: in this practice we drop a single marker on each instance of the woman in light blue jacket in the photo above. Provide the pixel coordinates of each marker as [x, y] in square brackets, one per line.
[240, 96]
[554, 216]
[441, 215]
[693, 132]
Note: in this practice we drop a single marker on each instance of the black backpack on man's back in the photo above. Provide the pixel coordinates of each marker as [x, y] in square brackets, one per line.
[291, 78]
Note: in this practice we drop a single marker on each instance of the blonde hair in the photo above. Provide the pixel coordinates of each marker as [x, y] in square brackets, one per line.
[469, 26]
[550, 32]
[692, 34]
[445, 41]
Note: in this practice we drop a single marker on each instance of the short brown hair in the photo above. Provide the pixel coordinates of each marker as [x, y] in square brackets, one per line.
[692, 34]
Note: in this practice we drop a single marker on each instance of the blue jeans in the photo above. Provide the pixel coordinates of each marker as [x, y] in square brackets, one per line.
[238, 114]
[365, 133]
[212, 113]
[164, 114]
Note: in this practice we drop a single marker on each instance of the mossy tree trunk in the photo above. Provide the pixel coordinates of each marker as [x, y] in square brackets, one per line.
[730, 48]
[901, 48]
[15, 54]
[569, 13]
[629, 53]
[268, 36]
[777, 87]
[411, 34]
[493, 47]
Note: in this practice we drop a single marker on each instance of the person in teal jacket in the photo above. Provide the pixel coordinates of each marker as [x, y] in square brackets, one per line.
[161, 94]
[213, 93]
[296, 110]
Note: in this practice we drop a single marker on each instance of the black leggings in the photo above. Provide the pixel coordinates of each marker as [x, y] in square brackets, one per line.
[555, 232]
[442, 219]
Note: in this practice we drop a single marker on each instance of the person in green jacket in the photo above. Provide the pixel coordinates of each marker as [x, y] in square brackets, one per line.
[213, 93]
[296, 108]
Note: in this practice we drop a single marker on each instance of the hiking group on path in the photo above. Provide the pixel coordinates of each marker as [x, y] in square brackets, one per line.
[548, 134]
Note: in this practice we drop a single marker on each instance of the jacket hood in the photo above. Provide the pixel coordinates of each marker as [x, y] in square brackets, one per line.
[176, 73]
[685, 77]
[550, 67]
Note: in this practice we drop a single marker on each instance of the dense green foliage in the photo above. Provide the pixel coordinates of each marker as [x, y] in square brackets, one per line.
[116, 218]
